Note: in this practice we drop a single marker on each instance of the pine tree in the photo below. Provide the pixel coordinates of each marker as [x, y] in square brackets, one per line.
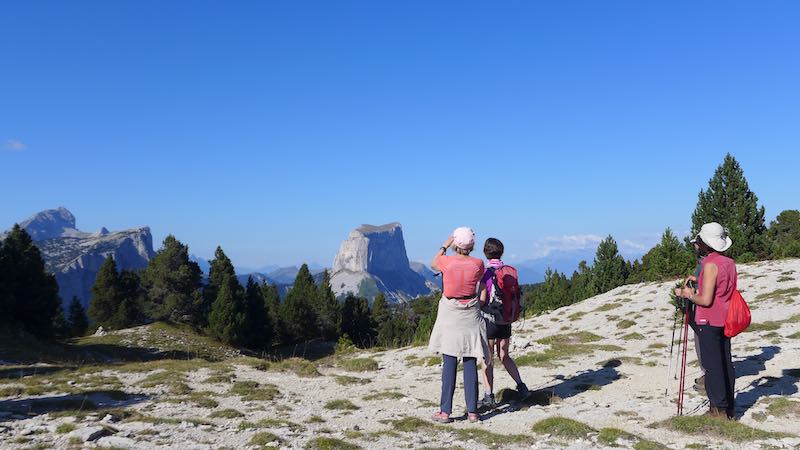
[582, 283]
[226, 322]
[29, 293]
[730, 202]
[131, 301]
[669, 259]
[60, 324]
[106, 295]
[220, 268]
[258, 333]
[274, 327]
[609, 267]
[78, 322]
[380, 313]
[784, 234]
[227, 316]
[298, 312]
[328, 310]
[173, 283]
[356, 320]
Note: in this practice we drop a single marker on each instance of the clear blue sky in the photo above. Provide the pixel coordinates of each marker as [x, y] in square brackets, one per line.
[274, 128]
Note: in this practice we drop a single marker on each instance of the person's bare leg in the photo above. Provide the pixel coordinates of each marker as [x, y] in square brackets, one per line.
[508, 363]
[488, 370]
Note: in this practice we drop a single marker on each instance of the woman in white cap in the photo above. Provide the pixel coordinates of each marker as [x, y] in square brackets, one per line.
[459, 331]
[716, 284]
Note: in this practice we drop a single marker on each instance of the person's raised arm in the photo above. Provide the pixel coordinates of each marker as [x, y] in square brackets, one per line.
[710, 272]
[483, 292]
[442, 251]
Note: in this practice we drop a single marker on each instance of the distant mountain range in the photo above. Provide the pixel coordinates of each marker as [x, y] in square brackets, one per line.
[565, 261]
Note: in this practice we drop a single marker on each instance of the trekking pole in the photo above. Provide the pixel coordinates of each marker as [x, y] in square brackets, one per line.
[671, 347]
[680, 341]
[683, 362]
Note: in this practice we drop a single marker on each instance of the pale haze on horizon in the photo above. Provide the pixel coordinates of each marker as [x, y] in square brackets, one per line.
[273, 129]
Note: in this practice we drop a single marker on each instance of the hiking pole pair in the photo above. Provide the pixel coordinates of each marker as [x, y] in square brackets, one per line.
[671, 347]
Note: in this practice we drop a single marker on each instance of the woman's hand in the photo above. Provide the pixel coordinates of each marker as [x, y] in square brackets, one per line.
[448, 242]
[690, 278]
[684, 292]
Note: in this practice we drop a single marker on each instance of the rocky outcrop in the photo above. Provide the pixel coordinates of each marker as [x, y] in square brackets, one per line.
[373, 259]
[75, 257]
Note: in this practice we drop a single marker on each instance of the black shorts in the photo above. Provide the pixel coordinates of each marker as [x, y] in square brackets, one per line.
[494, 331]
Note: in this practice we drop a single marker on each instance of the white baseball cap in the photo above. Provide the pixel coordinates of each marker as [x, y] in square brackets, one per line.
[715, 236]
[464, 237]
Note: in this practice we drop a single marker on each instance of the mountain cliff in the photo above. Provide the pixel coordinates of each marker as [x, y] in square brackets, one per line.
[373, 259]
[75, 256]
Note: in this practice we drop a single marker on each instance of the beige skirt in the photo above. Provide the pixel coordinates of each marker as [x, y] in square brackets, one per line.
[459, 330]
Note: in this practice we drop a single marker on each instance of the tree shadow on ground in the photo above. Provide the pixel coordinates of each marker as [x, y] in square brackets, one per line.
[21, 409]
[594, 379]
[755, 364]
[766, 386]
[311, 350]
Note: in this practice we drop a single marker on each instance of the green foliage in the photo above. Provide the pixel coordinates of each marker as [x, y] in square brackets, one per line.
[226, 322]
[730, 202]
[553, 293]
[326, 443]
[669, 259]
[298, 312]
[78, 322]
[173, 283]
[715, 427]
[272, 304]
[784, 234]
[583, 284]
[610, 269]
[380, 313]
[356, 321]
[28, 293]
[115, 298]
[257, 327]
[328, 310]
[341, 404]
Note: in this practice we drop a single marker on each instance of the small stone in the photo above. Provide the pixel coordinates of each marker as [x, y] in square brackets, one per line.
[89, 433]
[26, 432]
[356, 428]
[110, 418]
[116, 442]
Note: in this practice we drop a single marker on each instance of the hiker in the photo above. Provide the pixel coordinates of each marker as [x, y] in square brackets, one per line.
[498, 315]
[716, 284]
[459, 331]
[699, 382]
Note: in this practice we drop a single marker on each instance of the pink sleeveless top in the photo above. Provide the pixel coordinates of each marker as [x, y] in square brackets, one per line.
[714, 314]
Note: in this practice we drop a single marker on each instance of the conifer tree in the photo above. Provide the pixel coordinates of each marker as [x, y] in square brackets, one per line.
[226, 322]
[220, 268]
[784, 234]
[60, 324]
[356, 320]
[274, 326]
[730, 202]
[78, 322]
[173, 283]
[582, 284]
[131, 301]
[298, 312]
[328, 310]
[29, 293]
[258, 333]
[609, 268]
[380, 313]
[669, 259]
[106, 295]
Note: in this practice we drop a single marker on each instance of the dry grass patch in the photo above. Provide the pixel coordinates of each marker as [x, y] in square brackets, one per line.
[226, 414]
[326, 443]
[721, 428]
[341, 405]
[273, 423]
[265, 439]
[607, 307]
[346, 380]
[563, 427]
[252, 391]
[358, 365]
[779, 294]
[388, 395]
[633, 337]
[625, 323]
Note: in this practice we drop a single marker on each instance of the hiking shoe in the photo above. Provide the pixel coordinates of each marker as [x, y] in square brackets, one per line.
[487, 402]
[717, 413]
[522, 390]
[441, 417]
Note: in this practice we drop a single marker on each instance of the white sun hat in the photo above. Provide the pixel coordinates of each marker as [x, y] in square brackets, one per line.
[464, 237]
[715, 236]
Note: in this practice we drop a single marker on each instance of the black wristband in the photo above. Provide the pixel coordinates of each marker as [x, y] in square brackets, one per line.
[443, 249]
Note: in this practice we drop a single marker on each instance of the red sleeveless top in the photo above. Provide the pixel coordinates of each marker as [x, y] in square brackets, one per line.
[715, 313]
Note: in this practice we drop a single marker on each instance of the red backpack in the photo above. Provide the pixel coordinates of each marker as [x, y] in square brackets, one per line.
[738, 317]
[505, 304]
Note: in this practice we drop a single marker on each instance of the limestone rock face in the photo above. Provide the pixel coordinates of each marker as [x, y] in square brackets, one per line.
[373, 259]
[75, 257]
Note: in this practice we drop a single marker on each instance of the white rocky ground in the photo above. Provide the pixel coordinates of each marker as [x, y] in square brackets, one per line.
[629, 396]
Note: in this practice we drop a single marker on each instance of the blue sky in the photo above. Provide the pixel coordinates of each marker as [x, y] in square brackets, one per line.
[274, 128]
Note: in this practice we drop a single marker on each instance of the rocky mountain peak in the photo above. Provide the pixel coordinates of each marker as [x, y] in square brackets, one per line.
[373, 259]
[49, 224]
